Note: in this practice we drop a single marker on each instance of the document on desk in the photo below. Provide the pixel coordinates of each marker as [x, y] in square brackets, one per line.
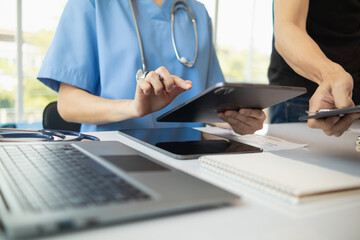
[267, 143]
[288, 179]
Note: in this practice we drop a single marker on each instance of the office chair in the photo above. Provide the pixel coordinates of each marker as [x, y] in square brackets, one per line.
[53, 120]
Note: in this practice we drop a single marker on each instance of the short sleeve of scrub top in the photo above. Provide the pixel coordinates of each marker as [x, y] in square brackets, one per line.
[95, 48]
[72, 56]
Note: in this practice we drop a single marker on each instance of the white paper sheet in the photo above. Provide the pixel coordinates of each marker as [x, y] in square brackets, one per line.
[267, 143]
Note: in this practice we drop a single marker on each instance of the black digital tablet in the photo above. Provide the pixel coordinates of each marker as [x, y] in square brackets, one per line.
[331, 112]
[229, 96]
[186, 143]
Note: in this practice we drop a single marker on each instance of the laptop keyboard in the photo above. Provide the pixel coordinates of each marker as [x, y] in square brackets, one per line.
[57, 176]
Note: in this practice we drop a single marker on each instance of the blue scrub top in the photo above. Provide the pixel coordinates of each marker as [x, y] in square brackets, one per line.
[95, 48]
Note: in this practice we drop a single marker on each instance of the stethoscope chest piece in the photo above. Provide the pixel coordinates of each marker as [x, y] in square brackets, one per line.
[140, 74]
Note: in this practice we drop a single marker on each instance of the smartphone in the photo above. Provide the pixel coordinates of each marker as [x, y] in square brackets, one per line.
[332, 112]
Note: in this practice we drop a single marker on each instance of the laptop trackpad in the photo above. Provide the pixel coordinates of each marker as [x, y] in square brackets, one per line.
[134, 163]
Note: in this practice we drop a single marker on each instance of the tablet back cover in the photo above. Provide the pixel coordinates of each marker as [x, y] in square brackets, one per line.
[229, 96]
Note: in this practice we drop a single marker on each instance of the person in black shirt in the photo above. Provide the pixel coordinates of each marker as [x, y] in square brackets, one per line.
[317, 45]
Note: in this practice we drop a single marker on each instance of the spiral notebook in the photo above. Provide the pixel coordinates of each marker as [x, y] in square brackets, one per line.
[288, 179]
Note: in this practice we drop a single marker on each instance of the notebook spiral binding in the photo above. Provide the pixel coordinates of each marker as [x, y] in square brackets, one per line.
[282, 192]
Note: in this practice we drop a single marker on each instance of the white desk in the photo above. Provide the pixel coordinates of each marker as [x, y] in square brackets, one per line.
[257, 215]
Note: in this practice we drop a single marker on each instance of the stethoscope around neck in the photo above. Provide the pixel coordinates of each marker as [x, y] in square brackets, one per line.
[177, 5]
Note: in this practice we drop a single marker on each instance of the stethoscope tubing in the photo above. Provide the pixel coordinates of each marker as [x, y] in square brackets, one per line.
[44, 135]
[5, 137]
[193, 20]
[141, 72]
[78, 136]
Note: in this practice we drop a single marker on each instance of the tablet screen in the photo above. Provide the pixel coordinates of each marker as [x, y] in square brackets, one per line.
[186, 143]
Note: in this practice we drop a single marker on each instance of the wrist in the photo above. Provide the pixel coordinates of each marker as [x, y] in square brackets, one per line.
[124, 110]
[330, 72]
[337, 78]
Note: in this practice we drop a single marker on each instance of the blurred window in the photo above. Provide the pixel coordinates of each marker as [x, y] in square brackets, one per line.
[8, 74]
[38, 25]
[243, 38]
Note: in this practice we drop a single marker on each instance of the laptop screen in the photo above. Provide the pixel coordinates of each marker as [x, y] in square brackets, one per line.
[186, 143]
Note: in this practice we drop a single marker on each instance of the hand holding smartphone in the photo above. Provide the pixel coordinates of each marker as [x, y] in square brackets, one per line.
[322, 113]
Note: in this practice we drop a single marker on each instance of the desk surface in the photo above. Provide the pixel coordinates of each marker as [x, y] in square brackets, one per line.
[257, 215]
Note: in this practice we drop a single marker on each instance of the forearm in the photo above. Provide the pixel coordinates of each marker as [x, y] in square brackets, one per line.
[302, 54]
[77, 105]
[294, 44]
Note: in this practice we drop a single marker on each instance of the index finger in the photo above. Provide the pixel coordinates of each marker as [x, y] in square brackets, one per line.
[184, 84]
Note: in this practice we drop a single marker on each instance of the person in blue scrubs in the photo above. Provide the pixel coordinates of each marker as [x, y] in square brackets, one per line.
[94, 56]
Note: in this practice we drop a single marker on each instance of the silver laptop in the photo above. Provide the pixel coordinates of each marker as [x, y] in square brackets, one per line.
[57, 187]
